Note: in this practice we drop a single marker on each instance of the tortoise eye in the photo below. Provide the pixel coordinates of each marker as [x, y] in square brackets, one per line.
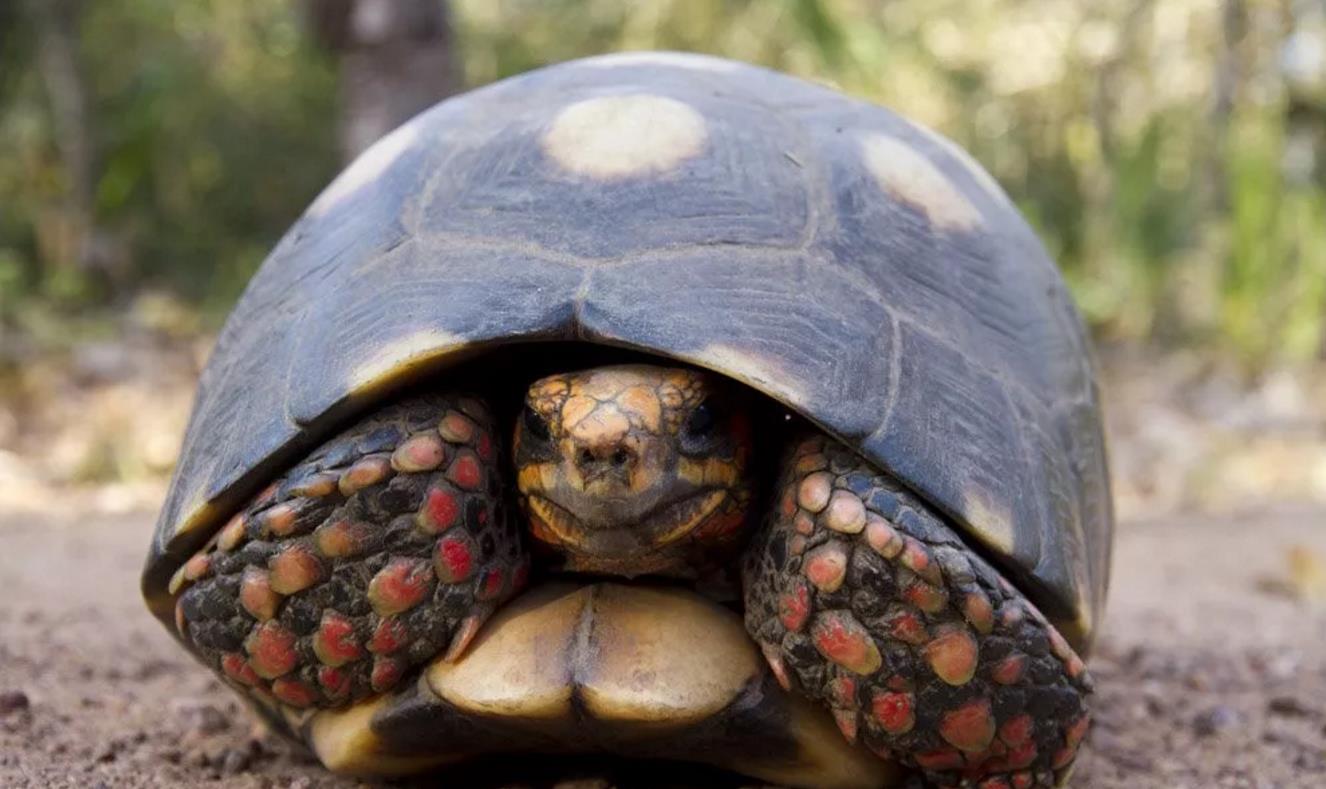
[702, 420]
[535, 424]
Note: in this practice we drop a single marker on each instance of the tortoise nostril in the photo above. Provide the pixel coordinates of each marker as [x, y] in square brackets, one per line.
[613, 457]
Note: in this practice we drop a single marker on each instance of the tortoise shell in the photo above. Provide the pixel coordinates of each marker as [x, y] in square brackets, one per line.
[857, 268]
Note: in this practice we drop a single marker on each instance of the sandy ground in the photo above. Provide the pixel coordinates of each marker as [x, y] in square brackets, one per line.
[1211, 673]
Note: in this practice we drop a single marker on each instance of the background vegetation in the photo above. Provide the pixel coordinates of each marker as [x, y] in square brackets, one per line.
[1172, 153]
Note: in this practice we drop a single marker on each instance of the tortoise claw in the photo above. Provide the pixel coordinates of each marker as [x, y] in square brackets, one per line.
[774, 656]
[464, 636]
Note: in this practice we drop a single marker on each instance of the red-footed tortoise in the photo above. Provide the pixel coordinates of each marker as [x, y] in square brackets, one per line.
[652, 407]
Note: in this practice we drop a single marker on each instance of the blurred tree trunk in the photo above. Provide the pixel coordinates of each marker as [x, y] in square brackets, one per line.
[55, 23]
[396, 59]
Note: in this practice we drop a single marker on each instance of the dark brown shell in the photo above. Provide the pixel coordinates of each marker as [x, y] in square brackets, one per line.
[825, 251]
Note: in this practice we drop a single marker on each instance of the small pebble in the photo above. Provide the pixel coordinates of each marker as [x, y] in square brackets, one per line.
[12, 701]
[202, 718]
[1289, 706]
[1215, 720]
[107, 752]
[234, 761]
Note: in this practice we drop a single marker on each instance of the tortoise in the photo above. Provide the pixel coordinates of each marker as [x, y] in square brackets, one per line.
[654, 408]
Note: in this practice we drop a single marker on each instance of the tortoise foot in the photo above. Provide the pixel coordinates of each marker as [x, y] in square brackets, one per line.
[386, 547]
[863, 599]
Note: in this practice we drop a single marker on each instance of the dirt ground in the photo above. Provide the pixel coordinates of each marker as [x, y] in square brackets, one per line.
[1211, 672]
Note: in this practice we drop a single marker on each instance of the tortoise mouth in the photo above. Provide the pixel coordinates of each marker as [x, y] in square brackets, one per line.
[630, 546]
[629, 673]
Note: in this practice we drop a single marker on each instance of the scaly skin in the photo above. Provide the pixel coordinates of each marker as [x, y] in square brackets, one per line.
[635, 470]
[866, 601]
[389, 545]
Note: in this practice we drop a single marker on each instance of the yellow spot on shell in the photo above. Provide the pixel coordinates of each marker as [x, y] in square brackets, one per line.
[615, 137]
[195, 516]
[991, 522]
[978, 173]
[750, 368]
[397, 361]
[914, 179]
[366, 168]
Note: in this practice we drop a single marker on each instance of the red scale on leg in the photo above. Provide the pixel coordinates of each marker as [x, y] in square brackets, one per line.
[953, 656]
[882, 538]
[1077, 731]
[197, 566]
[342, 539]
[803, 524]
[237, 667]
[940, 759]
[466, 472]
[797, 545]
[908, 627]
[386, 673]
[457, 428]
[455, 559]
[520, 576]
[294, 692]
[335, 681]
[978, 611]
[1020, 755]
[842, 692]
[917, 559]
[1017, 730]
[232, 535]
[842, 639]
[271, 649]
[295, 569]
[1063, 757]
[419, 453]
[895, 712]
[399, 586]
[787, 505]
[970, 727]
[491, 587]
[279, 521]
[1009, 669]
[826, 566]
[256, 594]
[364, 473]
[334, 642]
[930, 599]
[389, 636]
[441, 511]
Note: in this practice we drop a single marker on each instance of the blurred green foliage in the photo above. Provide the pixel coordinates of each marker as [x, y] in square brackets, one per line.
[1170, 152]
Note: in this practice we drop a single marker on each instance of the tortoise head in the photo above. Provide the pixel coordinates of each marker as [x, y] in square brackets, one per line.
[634, 469]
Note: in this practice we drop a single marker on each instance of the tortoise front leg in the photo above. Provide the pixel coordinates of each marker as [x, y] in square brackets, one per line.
[864, 599]
[386, 547]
